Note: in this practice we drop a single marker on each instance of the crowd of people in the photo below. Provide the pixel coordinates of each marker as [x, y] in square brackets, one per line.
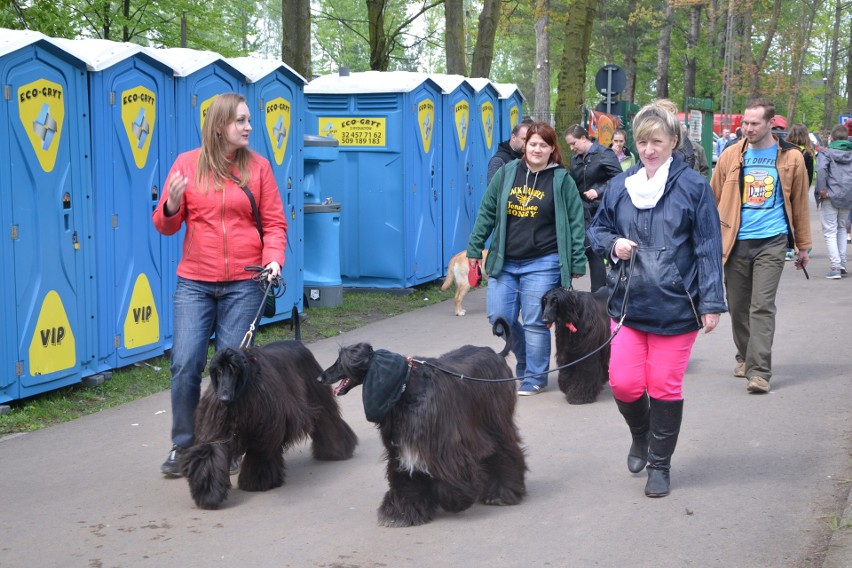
[649, 220]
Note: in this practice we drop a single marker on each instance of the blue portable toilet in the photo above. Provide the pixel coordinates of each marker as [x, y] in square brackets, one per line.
[131, 102]
[323, 285]
[457, 195]
[388, 176]
[276, 99]
[485, 133]
[46, 206]
[511, 108]
[199, 76]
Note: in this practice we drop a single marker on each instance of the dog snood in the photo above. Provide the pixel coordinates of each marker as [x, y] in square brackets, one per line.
[386, 379]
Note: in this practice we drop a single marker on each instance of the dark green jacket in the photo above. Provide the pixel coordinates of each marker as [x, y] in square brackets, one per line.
[570, 230]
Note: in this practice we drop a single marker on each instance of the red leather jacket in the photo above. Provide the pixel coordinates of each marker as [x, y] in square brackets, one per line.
[221, 233]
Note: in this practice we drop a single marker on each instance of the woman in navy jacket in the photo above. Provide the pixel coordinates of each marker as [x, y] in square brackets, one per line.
[659, 225]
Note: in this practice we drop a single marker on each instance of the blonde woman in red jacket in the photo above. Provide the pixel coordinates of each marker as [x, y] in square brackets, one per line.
[215, 294]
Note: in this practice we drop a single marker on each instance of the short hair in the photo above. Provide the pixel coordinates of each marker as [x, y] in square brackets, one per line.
[548, 134]
[764, 103]
[522, 124]
[577, 131]
[839, 132]
[653, 117]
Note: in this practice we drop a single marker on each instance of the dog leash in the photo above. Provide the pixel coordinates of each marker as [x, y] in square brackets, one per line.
[622, 278]
[272, 286]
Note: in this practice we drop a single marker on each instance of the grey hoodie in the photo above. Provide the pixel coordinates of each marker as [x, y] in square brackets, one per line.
[834, 173]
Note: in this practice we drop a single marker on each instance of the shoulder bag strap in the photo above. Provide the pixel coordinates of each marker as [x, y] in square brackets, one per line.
[253, 206]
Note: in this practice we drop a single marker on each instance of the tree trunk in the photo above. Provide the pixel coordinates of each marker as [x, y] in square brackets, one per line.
[849, 76]
[483, 51]
[296, 36]
[183, 30]
[631, 48]
[663, 52]
[541, 105]
[828, 116]
[379, 59]
[690, 68]
[575, 58]
[454, 37]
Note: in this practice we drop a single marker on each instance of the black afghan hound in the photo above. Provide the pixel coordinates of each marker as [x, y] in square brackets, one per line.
[450, 440]
[260, 402]
[582, 325]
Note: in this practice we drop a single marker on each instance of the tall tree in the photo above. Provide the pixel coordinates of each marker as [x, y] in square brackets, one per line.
[575, 58]
[454, 37]
[664, 51]
[541, 105]
[296, 35]
[828, 114]
[802, 39]
[691, 57]
[483, 50]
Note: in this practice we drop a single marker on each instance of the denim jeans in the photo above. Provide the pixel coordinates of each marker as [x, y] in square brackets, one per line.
[200, 309]
[834, 232]
[518, 289]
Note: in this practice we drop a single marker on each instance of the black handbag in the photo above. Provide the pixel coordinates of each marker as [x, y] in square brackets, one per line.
[269, 306]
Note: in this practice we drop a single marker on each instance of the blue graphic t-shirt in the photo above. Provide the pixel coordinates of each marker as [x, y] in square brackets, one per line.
[763, 203]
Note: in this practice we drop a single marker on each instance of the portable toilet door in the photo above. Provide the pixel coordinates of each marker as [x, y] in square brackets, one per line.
[199, 77]
[131, 98]
[457, 195]
[48, 341]
[276, 98]
[387, 176]
[511, 108]
[486, 134]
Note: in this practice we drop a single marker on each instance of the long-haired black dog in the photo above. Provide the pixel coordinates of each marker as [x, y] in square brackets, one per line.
[582, 325]
[450, 441]
[260, 402]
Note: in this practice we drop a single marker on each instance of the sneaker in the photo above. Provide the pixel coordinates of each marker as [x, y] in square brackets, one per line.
[739, 370]
[170, 467]
[236, 464]
[834, 273]
[843, 270]
[529, 390]
[757, 385]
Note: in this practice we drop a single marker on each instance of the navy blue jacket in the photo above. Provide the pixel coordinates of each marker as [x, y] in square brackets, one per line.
[677, 272]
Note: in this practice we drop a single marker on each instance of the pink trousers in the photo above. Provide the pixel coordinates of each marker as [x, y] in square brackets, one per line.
[642, 361]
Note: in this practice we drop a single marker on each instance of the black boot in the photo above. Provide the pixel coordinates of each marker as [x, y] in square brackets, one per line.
[637, 415]
[666, 416]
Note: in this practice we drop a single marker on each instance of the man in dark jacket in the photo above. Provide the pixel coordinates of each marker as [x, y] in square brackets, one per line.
[508, 150]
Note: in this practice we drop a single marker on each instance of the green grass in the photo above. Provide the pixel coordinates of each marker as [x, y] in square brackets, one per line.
[130, 383]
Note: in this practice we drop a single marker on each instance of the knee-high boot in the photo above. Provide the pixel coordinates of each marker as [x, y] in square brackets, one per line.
[666, 417]
[637, 414]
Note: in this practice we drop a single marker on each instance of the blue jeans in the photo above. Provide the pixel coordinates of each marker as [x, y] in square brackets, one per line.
[200, 309]
[518, 290]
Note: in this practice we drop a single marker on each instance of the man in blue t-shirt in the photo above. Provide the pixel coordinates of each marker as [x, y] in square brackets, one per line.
[761, 189]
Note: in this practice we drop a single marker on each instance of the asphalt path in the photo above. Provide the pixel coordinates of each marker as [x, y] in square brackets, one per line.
[757, 480]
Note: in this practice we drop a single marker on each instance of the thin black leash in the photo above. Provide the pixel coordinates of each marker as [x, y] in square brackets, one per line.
[622, 279]
[273, 287]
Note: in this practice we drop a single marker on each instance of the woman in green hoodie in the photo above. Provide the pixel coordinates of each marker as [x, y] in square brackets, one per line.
[532, 211]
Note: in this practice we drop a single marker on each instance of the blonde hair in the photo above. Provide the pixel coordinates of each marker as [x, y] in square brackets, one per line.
[654, 117]
[214, 165]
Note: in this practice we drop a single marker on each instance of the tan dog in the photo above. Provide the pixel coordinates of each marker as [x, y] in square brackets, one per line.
[457, 272]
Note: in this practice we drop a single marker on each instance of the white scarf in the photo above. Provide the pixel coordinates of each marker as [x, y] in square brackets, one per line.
[644, 192]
